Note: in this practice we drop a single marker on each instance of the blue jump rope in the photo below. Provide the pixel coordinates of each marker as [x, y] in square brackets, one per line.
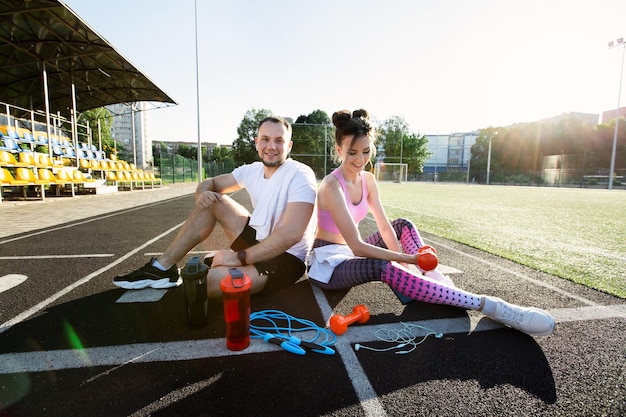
[277, 327]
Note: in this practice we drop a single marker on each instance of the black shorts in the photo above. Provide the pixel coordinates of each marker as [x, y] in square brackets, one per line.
[281, 271]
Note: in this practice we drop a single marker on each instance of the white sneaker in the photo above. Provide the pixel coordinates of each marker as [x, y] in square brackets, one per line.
[530, 320]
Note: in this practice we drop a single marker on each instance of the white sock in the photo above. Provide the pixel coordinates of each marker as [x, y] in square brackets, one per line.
[489, 306]
[157, 265]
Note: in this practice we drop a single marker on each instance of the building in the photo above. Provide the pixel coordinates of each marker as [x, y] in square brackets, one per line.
[122, 131]
[450, 153]
[609, 115]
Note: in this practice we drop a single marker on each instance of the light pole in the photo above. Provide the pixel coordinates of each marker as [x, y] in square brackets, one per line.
[620, 42]
[469, 163]
[436, 148]
[195, 14]
[489, 155]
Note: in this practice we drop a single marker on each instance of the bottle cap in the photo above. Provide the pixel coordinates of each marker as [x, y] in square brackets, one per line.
[236, 281]
[194, 269]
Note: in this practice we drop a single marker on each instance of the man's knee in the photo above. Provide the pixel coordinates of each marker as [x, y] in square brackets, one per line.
[213, 279]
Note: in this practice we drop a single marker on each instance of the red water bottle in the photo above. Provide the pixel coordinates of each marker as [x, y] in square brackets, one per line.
[236, 295]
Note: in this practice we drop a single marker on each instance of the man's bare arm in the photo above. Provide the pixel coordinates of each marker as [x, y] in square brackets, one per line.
[295, 221]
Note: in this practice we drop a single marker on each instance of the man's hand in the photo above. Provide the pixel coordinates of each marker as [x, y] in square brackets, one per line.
[226, 257]
[206, 199]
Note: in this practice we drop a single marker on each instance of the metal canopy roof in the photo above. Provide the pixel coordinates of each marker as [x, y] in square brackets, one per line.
[34, 32]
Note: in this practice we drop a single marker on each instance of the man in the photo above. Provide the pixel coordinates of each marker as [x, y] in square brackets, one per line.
[269, 245]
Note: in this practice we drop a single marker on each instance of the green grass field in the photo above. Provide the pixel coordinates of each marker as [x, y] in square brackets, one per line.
[576, 234]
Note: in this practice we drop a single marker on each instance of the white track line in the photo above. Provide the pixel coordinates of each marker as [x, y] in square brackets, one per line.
[213, 348]
[84, 255]
[361, 383]
[33, 310]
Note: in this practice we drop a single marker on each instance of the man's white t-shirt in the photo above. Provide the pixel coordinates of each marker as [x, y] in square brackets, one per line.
[301, 188]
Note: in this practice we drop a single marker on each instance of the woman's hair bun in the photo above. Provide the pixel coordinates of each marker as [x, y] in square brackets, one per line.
[340, 117]
[361, 114]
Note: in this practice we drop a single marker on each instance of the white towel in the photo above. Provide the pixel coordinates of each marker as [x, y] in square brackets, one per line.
[324, 259]
[270, 209]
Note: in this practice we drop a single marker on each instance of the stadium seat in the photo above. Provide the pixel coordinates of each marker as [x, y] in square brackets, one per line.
[42, 140]
[69, 153]
[11, 133]
[28, 138]
[65, 142]
[94, 164]
[8, 160]
[7, 179]
[137, 179]
[28, 159]
[64, 177]
[45, 160]
[47, 175]
[57, 150]
[27, 174]
[79, 177]
[85, 164]
[11, 145]
[112, 177]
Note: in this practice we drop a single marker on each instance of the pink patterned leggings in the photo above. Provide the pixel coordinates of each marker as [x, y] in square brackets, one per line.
[358, 271]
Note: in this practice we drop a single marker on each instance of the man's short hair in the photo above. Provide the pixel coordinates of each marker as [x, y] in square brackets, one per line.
[276, 119]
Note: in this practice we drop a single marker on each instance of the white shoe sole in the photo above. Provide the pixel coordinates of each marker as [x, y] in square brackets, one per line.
[543, 333]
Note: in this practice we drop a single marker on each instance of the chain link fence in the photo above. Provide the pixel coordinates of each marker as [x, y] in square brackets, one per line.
[176, 168]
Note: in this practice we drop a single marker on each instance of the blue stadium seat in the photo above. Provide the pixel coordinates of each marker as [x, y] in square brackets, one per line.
[11, 145]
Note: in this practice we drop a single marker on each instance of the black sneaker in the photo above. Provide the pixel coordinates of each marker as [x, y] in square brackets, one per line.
[149, 276]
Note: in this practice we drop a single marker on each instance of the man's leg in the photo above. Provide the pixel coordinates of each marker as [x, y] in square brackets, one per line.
[162, 272]
[200, 224]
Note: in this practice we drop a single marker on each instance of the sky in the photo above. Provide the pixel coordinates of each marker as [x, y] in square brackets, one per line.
[445, 66]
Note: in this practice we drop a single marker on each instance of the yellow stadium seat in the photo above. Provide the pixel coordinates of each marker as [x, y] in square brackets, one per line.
[44, 161]
[7, 179]
[78, 176]
[46, 174]
[28, 159]
[8, 160]
[27, 174]
[85, 164]
[64, 176]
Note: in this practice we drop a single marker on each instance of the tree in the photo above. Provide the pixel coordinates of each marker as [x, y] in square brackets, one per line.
[190, 152]
[91, 118]
[310, 140]
[244, 150]
[400, 145]
[159, 148]
[221, 155]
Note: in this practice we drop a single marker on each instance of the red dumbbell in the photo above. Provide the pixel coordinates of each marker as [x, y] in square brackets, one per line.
[427, 258]
[339, 324]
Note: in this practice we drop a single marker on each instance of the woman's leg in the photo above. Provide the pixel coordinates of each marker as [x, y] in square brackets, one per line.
[427, 290]
[406, 233]
[410, 240]
[529, 320]
[353, 272]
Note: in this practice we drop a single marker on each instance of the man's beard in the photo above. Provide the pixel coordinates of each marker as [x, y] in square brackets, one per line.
[273, 164]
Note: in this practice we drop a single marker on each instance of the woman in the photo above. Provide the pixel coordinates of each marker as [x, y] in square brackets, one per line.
[341, 259]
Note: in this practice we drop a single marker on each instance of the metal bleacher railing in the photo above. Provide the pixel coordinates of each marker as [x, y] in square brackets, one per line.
[34, 163]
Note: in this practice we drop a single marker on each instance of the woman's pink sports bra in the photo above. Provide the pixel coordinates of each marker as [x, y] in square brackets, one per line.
[358, 211]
